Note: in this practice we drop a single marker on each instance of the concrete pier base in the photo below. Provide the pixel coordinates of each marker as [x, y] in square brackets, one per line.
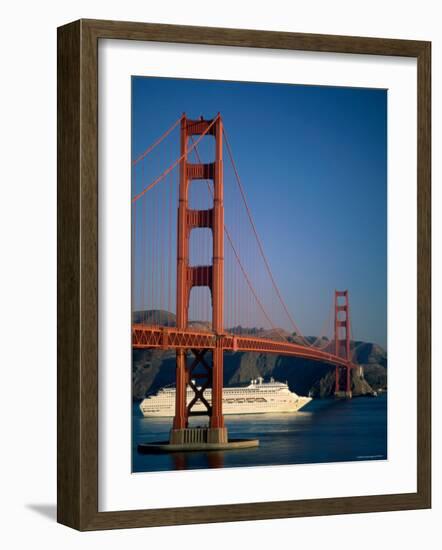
[162, 447]
[217, 435]
[343, 394]
[197, 439]
[198, 435]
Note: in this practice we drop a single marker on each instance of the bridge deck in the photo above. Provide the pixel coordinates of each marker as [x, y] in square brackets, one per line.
[151, 337]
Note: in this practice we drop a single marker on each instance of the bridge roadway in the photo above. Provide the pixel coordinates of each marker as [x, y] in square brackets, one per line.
[157, 337]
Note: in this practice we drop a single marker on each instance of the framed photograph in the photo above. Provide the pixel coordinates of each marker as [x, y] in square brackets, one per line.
[243, 274]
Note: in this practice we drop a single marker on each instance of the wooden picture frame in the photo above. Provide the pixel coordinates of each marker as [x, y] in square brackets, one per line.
[78, 274]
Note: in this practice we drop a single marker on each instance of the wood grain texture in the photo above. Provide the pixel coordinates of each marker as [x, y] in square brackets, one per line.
[424, 275]
[68, 276]
[252, 38]
[77, 224]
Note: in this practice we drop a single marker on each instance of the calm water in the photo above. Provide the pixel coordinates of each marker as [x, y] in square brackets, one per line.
[326, 430]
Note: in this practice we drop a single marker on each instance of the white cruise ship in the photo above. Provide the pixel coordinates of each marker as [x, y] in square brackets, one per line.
[257, 397]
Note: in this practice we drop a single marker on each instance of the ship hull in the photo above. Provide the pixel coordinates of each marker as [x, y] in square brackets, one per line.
[231, 410]
[255, 399]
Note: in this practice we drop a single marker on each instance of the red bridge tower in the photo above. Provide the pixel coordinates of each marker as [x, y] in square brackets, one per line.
[342, 343]
[200, 374]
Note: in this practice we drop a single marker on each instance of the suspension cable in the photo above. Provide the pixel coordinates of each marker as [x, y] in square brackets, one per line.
[174, 164]
[157, 142]
[261, 249]
[249, 283]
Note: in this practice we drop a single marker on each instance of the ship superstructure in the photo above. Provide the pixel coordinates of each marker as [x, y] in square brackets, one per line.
[256, 397]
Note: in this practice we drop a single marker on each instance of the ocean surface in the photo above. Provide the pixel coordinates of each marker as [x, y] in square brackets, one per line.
[325, 430]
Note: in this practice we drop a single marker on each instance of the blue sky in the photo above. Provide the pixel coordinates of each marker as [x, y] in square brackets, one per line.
[313, 161]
